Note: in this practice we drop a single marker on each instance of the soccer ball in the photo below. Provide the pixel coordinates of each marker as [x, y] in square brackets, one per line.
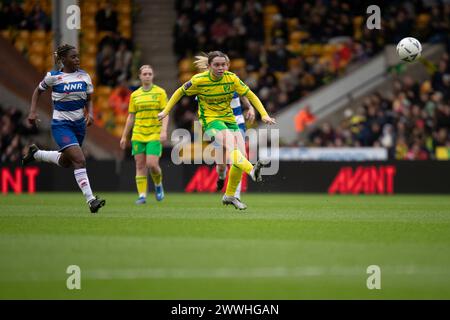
[409, 49]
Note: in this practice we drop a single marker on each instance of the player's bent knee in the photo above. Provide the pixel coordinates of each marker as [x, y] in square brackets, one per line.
[79, 163]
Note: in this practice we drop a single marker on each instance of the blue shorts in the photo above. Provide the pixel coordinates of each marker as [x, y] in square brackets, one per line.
[68, 133]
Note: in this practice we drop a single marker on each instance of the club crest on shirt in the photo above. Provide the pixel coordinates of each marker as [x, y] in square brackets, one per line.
[227, 88]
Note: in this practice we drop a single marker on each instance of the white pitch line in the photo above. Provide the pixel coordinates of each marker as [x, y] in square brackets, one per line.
[230, 273]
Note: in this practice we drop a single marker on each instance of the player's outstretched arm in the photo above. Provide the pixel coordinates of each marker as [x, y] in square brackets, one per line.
[249, 110]
[32, 115]
[259, 106]
[177, 95]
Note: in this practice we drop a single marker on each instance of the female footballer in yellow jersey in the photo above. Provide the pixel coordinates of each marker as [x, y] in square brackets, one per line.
[148, 132]
[214, 89]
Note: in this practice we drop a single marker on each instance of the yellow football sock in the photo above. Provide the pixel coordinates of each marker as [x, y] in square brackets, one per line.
[141, 183]
[157, 178]
[234, 177]
[240, 161]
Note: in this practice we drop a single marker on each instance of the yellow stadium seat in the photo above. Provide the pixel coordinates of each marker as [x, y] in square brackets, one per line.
[88, 23]
[185, 76]
[21, 45]
[124, 8]
[294, 48]
[89, 8]
[6, 34]
[38, 48]
[121, 119]
[422, 20]
[89, 63]
[185, 65]
[329, 49]
[90, 49]
[279, 75]
[23, 35]
[90, 36]
[103, 91]
[102, 34]
[126, 33]
[293, 62]
[37, 60]
[38, 35]
[271, 9]
[316, 49]
[118, 129]
[292, 24]
[125, 21]
[49, 62]
[237, 64]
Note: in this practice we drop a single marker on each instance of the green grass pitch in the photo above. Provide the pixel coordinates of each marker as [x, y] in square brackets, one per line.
[285, 246]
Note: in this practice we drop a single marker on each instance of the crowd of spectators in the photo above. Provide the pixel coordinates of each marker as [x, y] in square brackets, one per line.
[14, 134]
[279, 73]
[115, 55]
[411, 122]
[13, 15]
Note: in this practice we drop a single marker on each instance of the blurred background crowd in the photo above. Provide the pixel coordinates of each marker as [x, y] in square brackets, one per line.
[283, 49]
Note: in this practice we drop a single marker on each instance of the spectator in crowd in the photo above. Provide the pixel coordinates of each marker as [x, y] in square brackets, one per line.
[38, 19]
[122, 60]
[303, 119]
[106, 18]
[120, 99]
[14, 132]
[410, 124]
[105, 66]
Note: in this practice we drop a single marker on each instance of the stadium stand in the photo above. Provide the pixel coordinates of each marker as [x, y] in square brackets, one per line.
[14, 134]
[411, 123]
[300, 46]
[105, 44]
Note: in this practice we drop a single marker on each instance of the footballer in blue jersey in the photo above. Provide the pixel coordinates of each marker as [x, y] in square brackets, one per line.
[71, 95]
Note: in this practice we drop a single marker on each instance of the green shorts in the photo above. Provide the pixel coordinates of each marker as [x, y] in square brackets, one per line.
[215, 126]
[153, 147]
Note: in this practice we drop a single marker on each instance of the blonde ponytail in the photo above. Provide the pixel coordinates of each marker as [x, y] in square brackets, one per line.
[201, 62]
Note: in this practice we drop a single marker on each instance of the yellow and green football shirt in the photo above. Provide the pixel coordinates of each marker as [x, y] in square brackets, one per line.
[214, 96]
[146, 105]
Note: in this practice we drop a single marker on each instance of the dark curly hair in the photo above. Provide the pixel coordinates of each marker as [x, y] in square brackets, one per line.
[61, 52]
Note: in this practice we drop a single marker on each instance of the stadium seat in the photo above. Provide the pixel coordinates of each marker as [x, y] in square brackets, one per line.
[21, 45]
[104, 91]
[185, 65]
[292, 24]
[49, 62]
[38, 35]
[185, 76]
[102, 103]
[23, 35]
[294, 48]
[270, 9]
[37, 61]
[38, 48]
[422, 20]
[6, 34]
[279, 75]
[237, 64]
[293, 62]
[124, 8]
[298, 36]
[89, 36]
[88, 23]
[89, 63]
